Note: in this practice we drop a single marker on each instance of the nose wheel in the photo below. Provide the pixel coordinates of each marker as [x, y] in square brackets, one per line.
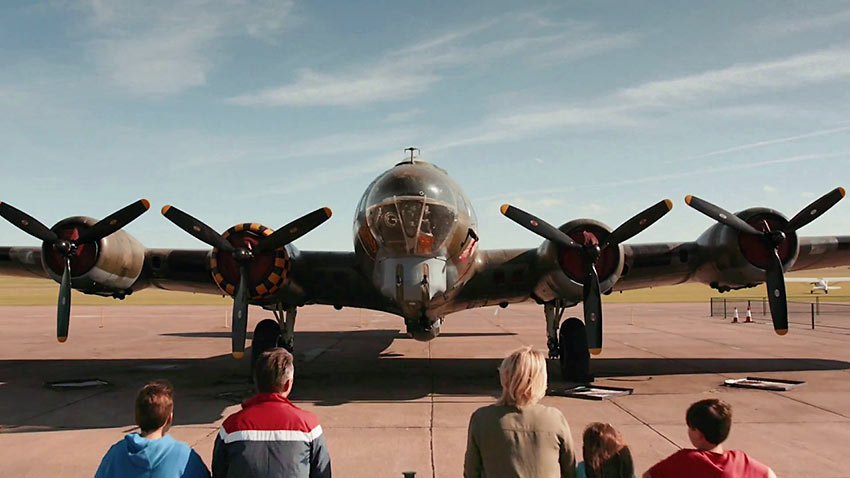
[575, 355]
[277, 332]
[567, 342]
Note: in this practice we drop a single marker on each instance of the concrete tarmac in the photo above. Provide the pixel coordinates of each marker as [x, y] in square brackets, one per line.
[389, 404]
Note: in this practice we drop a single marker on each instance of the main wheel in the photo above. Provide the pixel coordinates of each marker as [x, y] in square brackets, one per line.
[575, 357]
[266, 336]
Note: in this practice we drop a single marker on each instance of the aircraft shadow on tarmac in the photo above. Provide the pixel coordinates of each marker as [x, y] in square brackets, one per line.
[332, 368]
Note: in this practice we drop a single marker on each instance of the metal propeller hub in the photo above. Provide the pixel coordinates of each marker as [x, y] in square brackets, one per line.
[775, 238]
[64, 247]
[242, 255]
[592, 252]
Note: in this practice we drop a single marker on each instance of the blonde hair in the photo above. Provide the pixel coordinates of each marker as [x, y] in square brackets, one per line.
[523, 377]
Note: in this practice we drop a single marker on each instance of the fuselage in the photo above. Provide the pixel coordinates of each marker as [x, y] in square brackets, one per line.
[415, 236]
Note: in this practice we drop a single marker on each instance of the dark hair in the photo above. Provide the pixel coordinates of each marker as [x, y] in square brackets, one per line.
[273, 369]
[154, 404]
[605, 453]
[712, 417]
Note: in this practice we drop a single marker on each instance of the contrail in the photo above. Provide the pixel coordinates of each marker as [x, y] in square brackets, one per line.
[769, 142]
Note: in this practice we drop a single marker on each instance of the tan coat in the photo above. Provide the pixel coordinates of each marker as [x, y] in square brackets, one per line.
[507, 442]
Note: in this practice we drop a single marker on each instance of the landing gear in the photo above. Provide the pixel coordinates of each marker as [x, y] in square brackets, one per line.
[285, 315]
[574, 354]
[553, 312]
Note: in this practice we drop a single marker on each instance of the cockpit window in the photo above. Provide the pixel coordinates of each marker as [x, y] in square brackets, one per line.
[412, 210]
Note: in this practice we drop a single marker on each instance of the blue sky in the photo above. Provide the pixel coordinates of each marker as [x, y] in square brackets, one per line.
[261, 111]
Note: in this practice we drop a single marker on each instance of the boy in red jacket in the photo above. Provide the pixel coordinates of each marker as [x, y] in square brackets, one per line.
[709, 422]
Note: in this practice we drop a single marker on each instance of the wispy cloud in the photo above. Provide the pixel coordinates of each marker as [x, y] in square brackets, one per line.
[634, 105]
[790, 26]
[668, 177]
[403, 116]
[214, 151]
[324, 177]
[413, 69]
[317, 89]
[736, 80]
[157, 48]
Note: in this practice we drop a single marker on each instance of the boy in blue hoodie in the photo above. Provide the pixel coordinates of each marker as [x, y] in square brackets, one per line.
[152, 453]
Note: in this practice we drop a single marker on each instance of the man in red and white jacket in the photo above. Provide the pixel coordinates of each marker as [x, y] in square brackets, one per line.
[271, 437]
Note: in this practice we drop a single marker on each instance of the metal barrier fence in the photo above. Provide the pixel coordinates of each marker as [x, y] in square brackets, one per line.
[801, 310]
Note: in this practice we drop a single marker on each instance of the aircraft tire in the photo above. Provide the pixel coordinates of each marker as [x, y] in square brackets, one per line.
[266, 336]
[575, 357]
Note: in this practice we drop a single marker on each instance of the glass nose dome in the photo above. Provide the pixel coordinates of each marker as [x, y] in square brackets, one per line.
[412, 209]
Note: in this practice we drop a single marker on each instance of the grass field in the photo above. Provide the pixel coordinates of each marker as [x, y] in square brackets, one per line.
[20, 291]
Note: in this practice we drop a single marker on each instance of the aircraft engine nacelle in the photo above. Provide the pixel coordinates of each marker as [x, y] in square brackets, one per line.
[109, 266]
[567, 280]
[736, 260]
[267, 272]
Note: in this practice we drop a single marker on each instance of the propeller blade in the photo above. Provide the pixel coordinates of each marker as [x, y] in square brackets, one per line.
[196, 228]
[776, 294]
[639, 222]
[592, 304]
[815, 209]
[538, 226]
[27, 223]
[721, 215]
[294, 230]
[240, 315]
[63, 312]
[114, 221]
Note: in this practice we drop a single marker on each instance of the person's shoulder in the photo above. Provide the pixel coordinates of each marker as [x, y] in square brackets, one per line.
[307, 417]
[491, 410]
[545, 412]
[750, 462]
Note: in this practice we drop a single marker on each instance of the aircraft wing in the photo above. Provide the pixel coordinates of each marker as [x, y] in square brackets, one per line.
[330, 278]
[652, 265]
[514, 275]
[313, 277]
[22, 262]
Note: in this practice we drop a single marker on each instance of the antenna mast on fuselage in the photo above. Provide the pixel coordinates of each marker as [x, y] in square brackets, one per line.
[413, 154]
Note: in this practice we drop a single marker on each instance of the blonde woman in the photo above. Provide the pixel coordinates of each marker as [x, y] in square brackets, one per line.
[517, 437]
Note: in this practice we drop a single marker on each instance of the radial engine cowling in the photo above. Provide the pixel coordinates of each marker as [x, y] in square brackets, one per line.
[735, 260]
[266, 273]
[568, 278]
[108, 267]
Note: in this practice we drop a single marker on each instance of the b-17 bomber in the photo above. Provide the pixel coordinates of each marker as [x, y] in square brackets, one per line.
[416, 254]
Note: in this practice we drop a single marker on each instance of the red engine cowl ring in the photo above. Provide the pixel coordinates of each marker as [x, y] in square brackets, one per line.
[266, 272]
[572, 262]
[83, 257]
[754, 248]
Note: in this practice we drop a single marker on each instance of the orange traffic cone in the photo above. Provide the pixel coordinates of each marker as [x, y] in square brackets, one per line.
[735, 316]
[749, 318]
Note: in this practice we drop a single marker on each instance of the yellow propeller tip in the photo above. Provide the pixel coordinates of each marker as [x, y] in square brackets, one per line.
[781, 331]
[595, 351]
[688, 199]
[238, 355]
[62, 339]
[504, 208]
[840, 190]
[328, 211]
[146, 203]
[669, 204]
[165, 209]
